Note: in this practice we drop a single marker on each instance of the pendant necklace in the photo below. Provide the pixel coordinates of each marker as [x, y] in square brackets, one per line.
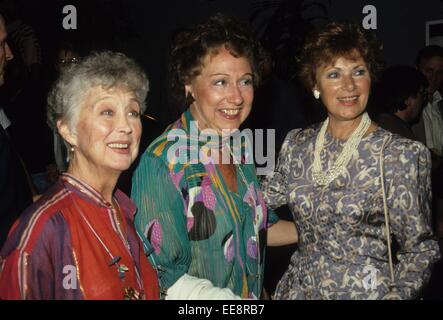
[129, 292]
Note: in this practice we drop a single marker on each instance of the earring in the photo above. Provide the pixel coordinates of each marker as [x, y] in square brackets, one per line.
[72, 149]
[316, 94]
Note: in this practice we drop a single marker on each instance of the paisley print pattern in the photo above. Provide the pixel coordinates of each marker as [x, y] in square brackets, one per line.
[342, 250]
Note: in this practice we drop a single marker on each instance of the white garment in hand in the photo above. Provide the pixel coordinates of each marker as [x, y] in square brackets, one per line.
[192, 288]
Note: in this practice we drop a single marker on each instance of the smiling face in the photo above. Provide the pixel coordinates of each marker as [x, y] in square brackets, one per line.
[223, 92]
[344, 87]
[107, 133]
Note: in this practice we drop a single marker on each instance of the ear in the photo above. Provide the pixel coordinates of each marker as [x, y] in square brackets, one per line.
[66, 133]
[408, 102]
[188, 90]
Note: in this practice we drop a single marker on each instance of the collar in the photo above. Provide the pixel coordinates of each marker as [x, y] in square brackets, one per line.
[436, 98]
[193, 133]
[89, 194]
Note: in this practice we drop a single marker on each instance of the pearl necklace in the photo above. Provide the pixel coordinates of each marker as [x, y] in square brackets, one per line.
[323, 178]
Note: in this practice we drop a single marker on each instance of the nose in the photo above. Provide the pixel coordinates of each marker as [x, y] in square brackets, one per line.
[235, 96]
[123, 124]
[349, 83]
[8, 53]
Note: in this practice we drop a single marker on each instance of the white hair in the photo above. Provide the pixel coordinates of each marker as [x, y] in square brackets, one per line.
[105, 69]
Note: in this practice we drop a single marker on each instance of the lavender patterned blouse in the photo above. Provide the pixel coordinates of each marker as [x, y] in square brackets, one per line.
[342, 250]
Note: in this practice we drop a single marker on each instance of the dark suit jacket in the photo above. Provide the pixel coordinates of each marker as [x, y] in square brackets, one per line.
[396, 125]
[15, 193]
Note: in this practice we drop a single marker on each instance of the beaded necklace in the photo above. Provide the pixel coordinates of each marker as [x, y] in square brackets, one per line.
[322, 177]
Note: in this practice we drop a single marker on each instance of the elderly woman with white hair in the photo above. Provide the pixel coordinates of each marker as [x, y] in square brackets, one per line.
[78, 240]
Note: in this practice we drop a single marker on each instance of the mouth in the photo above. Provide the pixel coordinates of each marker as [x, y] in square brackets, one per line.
[119, 147]
[348, 101]
[230, 114]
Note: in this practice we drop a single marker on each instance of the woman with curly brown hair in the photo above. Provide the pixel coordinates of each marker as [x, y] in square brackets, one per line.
[352, 187]
[204, 220]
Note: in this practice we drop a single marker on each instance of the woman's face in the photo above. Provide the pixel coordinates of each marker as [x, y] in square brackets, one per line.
[108, 131]
[223, 92]
[344, 87]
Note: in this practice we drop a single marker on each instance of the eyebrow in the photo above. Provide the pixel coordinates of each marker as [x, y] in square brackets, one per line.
[107, 97]
[100, 100]
[356, 67]
[228, 75]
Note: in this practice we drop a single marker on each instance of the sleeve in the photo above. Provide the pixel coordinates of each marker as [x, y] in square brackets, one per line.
[428, 125]
[409, 201]
[274, 185]
[35, 270]
[161, 219]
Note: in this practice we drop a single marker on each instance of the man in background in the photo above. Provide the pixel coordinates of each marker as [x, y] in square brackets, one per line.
[15, 192]
[6, 55]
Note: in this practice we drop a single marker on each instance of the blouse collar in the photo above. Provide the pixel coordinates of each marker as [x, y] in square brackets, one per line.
[193, 133]
[92, 195]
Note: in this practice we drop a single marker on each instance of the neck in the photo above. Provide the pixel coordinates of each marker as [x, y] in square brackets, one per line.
[102, 182]
[342, 129]
[402, 115]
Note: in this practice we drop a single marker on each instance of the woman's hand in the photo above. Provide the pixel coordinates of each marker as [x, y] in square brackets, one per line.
[282, 233]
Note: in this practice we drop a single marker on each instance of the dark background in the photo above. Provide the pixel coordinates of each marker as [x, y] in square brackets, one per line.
[144, 30]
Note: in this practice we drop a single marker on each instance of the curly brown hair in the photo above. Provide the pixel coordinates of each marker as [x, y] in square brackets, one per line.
[323, 46]
[191, 47]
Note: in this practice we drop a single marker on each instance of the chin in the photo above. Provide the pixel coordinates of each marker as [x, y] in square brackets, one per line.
[121, 166]
[352, 114]
[231, 125]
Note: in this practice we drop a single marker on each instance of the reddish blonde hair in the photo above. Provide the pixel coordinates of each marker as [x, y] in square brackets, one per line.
[335, 40]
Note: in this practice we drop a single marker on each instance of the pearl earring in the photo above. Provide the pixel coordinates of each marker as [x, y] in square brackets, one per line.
[316, 94]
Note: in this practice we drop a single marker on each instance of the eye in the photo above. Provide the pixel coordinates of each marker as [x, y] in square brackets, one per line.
[220, 82]
[360, 72]
[107, 112]
[246, 82]
[333, 75]
[134, 114]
